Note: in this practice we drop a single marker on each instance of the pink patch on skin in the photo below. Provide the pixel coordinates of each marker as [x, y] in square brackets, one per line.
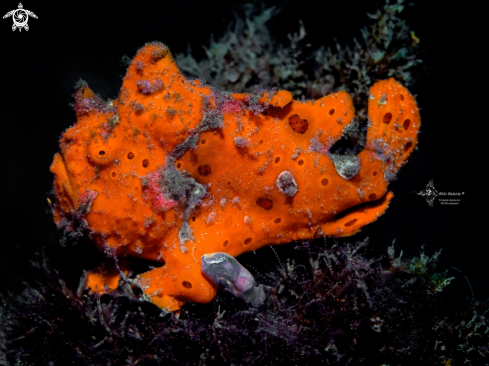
[104, 133]
[231, 106]
[88, 196]
[153, 192]
[163, 204]
[147, 87]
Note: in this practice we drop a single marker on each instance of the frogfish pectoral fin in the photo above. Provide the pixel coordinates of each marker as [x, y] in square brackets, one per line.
[172, 285]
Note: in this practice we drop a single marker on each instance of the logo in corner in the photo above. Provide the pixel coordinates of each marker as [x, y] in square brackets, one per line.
[20, 17]
[429, 193]
[446, 198]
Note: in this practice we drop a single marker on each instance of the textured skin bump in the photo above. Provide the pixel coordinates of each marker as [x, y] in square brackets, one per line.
[173, 170]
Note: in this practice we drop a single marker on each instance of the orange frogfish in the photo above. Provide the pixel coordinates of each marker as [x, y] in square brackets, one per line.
[181, 173]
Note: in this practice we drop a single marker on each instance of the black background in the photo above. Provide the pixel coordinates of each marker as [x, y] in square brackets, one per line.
[87, 40]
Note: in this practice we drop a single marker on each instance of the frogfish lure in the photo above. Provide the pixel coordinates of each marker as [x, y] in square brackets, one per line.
[180, 173]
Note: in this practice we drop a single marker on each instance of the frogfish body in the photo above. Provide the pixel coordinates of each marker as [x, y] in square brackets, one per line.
[173, 170]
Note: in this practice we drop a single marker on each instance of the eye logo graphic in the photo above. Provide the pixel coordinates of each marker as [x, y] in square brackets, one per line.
[20, 17]
[446, 198]
[430, 193]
